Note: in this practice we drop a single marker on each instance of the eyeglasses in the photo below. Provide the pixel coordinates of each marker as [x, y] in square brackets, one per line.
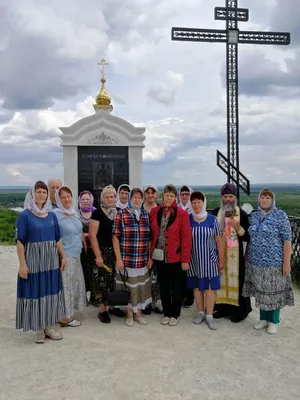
[185, 194]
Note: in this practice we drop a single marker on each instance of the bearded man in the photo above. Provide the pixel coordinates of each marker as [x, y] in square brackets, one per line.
[234, 224]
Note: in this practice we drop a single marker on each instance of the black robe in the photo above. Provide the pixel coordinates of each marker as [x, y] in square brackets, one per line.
[244, 308]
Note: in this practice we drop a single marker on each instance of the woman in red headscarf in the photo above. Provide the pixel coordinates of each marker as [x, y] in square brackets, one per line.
[170, 248]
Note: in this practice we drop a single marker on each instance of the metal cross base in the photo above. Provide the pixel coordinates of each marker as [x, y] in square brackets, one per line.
[232, 36]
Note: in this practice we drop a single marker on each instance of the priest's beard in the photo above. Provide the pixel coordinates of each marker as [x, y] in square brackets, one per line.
[224, 208]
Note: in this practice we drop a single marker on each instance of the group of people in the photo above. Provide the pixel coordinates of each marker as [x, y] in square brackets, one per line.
[174, 253]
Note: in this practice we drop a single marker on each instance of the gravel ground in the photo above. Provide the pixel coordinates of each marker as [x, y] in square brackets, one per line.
[97, 361]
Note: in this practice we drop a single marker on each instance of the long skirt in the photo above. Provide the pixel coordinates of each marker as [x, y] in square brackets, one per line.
[74, 287]
[271, 289]
[139, 285]
[40, 300]
[86, 262]
[102, 281]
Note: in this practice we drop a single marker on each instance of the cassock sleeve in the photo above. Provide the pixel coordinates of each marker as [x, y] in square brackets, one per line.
[245, 225]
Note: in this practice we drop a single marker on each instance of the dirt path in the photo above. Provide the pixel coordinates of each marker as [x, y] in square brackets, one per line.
[97, 361]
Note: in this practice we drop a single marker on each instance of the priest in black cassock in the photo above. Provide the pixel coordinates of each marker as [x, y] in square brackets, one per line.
[234, 224]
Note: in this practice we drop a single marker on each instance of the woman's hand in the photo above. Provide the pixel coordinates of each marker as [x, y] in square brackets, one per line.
[185, 266]
[120, 265]
[63, 263]
[220, 266]
[286, 269]
[23, 271]
[150, 263]
[99, 261]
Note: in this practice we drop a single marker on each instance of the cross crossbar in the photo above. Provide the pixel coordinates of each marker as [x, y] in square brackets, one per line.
[199, 35]
[224, 14]
[239, 179]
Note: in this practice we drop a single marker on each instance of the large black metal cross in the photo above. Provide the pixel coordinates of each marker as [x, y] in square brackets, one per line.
[232, 36]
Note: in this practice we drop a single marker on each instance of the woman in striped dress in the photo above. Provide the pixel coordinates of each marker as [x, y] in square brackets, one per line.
[40, 301]
[131, 234]
[207, 258]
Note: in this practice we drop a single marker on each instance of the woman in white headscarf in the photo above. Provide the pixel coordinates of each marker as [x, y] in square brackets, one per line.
[268, 262]
[72, 237]
[40, 302]
[100, 234]
[185, 198]
[122, 196]
[131, 234]
[207, 258]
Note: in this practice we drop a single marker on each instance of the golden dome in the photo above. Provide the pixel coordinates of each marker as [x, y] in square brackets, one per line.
[103, 99]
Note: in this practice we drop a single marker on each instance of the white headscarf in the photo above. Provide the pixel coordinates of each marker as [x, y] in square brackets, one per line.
[203, 213]
[31, 205]
[118, 203]
[60, 208]
[111, 211]
[188, 206]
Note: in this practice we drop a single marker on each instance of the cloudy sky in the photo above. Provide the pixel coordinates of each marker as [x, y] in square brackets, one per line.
[49, 77]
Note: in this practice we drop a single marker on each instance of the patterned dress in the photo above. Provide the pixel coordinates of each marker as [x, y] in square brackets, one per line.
[102, 280]
[134, 238]
[86, 257]
[73, 279]
[264, 278]
[40, 301]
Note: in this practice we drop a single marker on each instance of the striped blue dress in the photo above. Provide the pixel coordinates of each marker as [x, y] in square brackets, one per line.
[203, 272]
[40, 302]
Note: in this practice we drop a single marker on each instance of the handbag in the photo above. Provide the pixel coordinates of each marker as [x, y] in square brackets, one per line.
[119, 297]
[158, 255]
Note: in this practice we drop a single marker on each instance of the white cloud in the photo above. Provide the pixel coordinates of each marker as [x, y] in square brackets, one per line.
[50, 54]
[166, 90]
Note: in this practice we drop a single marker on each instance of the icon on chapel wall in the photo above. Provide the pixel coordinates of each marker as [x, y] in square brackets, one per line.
[103, 175]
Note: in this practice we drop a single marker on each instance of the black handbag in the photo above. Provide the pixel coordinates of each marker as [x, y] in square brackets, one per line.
[119, 297]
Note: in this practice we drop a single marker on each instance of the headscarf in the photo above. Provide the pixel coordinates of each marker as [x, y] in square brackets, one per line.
[91, 208]
[263, 212]
[60, 208]
[30, 204]
[118, 203]
[188, 206]
[110, 211]
[137, 210]
[153, 187]
[203, 213]
[173, 206]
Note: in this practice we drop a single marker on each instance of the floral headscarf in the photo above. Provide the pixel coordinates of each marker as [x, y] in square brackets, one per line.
[60, 208]
[30, 203]
[91, 208]
[111, 211]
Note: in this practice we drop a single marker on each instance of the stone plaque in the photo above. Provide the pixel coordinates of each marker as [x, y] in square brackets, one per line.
[99, 166]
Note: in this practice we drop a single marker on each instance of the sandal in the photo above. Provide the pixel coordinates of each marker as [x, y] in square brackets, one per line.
[39, 337]
[53, 334]
[129, 321]
[141, 321]
[73, 323]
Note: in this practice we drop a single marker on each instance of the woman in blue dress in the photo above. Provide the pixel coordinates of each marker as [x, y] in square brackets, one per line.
[72, 238]
[268, 262]
[207, 258]
[40, 302]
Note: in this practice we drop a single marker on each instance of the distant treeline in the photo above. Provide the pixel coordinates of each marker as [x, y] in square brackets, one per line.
[287, 198]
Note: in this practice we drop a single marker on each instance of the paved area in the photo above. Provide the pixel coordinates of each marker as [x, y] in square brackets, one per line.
[97, 361]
